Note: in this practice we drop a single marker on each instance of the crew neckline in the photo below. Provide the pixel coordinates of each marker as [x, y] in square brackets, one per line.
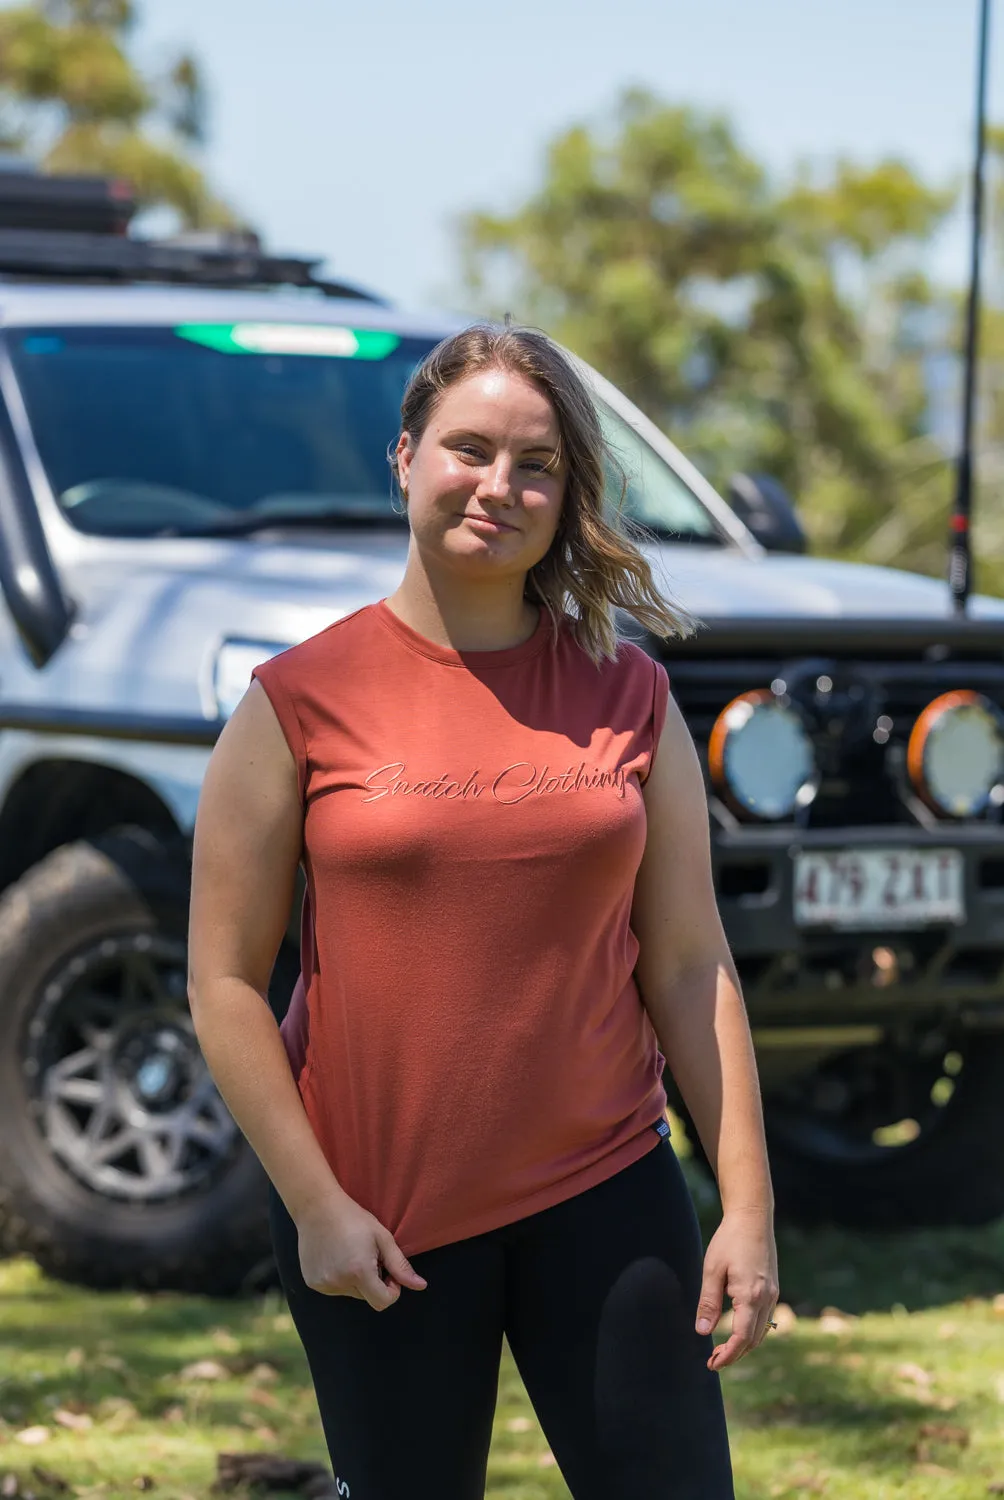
[448, 656]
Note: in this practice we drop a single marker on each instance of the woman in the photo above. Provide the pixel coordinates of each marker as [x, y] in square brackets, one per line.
[509, 923]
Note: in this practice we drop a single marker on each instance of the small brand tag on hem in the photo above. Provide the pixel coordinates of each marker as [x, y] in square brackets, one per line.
[661, 1128]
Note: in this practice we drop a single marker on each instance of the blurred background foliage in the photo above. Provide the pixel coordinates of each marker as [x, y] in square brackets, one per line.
[71, 98]
[784, 327]
[790, 328]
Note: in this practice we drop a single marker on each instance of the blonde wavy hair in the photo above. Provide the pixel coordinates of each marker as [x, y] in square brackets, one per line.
[592, 567]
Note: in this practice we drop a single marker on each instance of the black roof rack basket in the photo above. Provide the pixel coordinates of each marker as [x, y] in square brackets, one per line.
[73, 229]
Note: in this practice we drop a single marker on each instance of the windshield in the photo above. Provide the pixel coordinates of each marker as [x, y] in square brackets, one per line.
[213, 428]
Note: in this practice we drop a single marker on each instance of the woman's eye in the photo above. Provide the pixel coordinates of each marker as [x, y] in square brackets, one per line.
[469, 450]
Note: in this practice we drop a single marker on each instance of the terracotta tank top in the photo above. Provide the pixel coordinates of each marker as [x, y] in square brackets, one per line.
[468, 1039]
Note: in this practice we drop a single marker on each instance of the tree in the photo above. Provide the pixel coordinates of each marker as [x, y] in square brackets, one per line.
[782, 328]
[71, 97]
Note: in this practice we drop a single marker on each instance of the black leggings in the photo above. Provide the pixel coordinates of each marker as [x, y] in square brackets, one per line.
[597, 1297]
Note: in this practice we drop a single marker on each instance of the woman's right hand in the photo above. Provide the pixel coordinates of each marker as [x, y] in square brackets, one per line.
[346, 1252]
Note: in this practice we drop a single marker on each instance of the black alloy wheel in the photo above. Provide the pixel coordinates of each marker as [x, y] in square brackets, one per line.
[119, 1090]
[119, 1163]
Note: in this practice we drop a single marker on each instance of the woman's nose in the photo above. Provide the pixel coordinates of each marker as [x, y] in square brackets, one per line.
[497, 484]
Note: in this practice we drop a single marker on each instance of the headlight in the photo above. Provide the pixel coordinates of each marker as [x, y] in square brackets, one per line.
[955, 754]
[232, 669]
[761, 758]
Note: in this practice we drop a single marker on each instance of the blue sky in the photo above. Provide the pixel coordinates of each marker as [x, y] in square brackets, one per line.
[361, 132]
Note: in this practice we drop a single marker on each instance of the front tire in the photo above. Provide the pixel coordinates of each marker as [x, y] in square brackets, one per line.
[894, 1136]
[119, 1163]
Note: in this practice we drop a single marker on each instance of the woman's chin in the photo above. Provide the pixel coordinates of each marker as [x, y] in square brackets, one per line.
[479, 555]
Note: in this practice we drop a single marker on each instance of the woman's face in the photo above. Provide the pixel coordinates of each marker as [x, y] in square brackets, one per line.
[484, 488]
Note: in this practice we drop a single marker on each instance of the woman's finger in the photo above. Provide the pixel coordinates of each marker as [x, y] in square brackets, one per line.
[745, 1320]
[398, 1266]
[378, 1293]
[709, 1305]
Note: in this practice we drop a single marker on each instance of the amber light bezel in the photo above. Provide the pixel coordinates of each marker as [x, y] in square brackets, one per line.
[926, 721]
[717, 741]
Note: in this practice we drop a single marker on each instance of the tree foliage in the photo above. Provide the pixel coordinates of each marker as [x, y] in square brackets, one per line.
[71, 97]
[779, 327]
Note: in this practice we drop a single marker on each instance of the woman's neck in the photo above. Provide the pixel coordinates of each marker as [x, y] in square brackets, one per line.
[474, 616]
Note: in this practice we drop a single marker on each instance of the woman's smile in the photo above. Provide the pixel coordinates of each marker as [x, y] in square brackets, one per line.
[488, 524]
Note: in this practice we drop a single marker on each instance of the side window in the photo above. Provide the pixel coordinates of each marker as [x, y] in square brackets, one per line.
[655, 496]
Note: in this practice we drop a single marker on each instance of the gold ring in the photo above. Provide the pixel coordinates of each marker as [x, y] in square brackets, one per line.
[771, 1324]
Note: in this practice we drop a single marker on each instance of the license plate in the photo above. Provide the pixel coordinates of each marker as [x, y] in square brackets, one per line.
[878, 887]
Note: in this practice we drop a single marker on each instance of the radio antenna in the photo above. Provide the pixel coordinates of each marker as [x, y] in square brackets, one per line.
[960, 551]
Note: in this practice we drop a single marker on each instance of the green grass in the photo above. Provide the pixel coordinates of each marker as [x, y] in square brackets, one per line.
[900, 1397]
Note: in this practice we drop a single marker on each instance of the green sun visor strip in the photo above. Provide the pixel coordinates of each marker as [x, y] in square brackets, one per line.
[326, 340]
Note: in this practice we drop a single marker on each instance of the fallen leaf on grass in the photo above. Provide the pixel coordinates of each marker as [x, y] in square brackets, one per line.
[914, 1373]
[262, 1398]
[51, 1481]
[74, 1359]
[115, 1413]
[832, 1320]
[271, 1471]
[263, 1374]
[546, 1461]
[518, 1424]
[223, 1339]
[32, 1436]
[939, 1435]
[204, 1369]
[947, 1330]
[75, 1421]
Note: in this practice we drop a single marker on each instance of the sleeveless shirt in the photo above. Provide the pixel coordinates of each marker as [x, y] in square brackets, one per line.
[467, 1035]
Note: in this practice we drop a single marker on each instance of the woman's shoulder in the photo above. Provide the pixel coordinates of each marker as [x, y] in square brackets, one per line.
[627, 689]
[630, 662]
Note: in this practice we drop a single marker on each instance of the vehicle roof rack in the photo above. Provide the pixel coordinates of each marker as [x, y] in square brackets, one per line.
[73, 229]
[30, 199]
[34, 255]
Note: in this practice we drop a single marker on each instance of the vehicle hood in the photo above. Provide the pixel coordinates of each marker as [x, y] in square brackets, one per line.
[726, 585]
[151, 615]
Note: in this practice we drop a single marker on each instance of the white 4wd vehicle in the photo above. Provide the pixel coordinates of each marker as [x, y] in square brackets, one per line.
[193, 475]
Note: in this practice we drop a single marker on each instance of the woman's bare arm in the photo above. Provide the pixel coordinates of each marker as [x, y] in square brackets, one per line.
[247, 847]
[691, 991]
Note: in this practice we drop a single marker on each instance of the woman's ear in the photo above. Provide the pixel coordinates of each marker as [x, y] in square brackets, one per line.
[403, 454]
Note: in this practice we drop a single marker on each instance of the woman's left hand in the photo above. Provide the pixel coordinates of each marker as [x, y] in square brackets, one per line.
[741, 1260]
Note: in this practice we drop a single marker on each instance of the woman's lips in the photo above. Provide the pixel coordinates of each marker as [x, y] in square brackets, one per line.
[489, 524]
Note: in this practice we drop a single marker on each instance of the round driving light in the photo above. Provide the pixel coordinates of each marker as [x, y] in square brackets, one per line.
[955, 754]
[761, 758]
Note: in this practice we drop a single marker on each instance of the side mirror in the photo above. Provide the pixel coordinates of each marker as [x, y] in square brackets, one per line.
[765, 508]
